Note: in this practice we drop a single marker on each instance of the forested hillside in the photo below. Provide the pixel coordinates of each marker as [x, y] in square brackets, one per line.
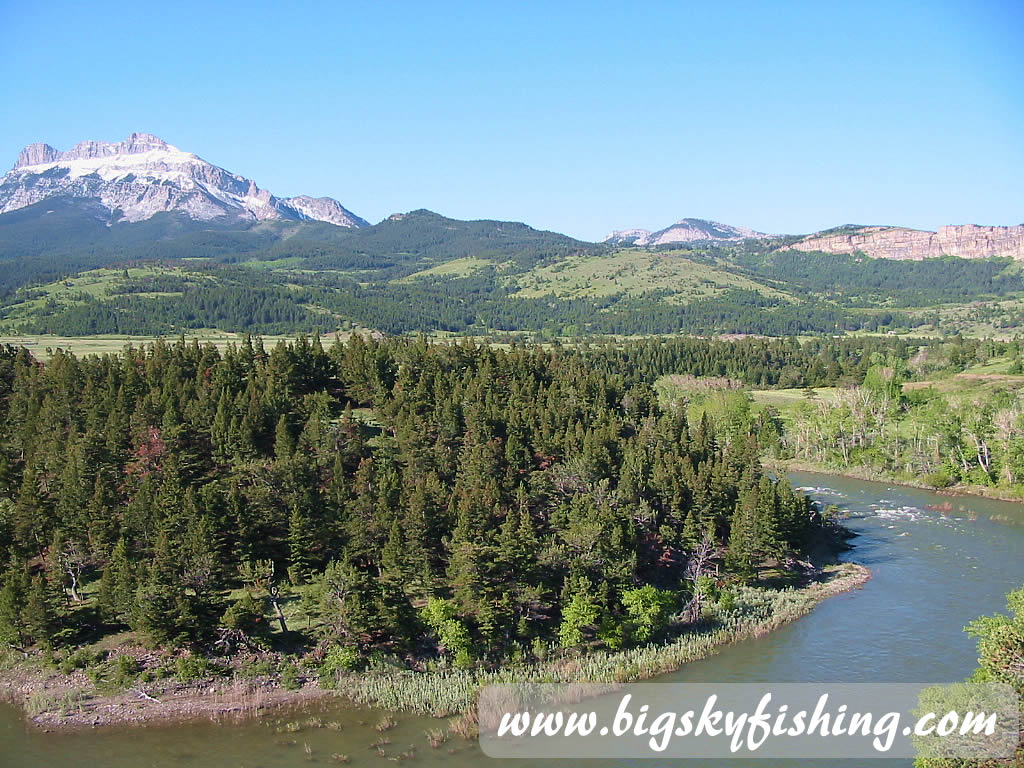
[494, 502]
[421, 272]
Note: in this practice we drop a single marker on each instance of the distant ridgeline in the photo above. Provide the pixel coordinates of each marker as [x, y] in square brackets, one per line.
[304, 263]
[423, 272]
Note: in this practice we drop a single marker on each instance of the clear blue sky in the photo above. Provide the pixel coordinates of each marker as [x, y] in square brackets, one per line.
[577, 117]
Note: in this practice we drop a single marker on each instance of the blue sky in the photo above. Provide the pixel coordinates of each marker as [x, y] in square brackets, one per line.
[577, 117]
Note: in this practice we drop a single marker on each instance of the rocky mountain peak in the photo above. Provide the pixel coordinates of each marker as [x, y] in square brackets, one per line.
[144, 175]
[683, 231]
[324, 209]
[34, 154]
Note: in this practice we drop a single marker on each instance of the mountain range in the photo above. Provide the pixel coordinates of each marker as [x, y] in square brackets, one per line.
[144, 175]
[141, 238]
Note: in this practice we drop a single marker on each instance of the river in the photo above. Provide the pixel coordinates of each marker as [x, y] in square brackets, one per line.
[938, 562]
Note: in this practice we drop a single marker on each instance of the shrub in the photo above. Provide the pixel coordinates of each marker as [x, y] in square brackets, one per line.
[290, 679]
[441, 616]
[727, 602]
[649, 609]
[260, 668]
[539, 648]
[189, 668]
[940, 479]
[341, 658]
[245, 615]
[80, 659]
[126, 669]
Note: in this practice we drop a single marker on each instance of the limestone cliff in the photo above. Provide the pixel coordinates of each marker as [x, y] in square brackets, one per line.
[966, 241]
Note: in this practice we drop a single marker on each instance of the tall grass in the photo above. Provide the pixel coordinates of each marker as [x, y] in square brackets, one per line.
[756, 613]
[60, 702]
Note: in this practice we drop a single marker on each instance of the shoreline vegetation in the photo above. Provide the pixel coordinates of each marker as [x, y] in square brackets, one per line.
[54, 700]
[875, 475]
[397, 520]
[401, 522]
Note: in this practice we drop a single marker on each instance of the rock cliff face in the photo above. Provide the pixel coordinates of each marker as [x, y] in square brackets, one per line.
[144, 175]
[966, 241]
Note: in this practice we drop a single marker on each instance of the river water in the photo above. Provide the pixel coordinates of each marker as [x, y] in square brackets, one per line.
[938, 562]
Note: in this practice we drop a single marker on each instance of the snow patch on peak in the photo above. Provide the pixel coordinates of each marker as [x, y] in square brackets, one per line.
[629, 237]
[683, 231]
[324, 209]
[144, 175]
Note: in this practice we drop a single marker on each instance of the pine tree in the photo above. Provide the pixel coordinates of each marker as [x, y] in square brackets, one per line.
[220, 430]
[39, 615]
[301, 545]
[118, 586]
[743, 535]
[246, 615]
[769, 523]
[580, 614]
[284, 443]
[200, 567]
[392, 559]
[13, 596]
[162, 608]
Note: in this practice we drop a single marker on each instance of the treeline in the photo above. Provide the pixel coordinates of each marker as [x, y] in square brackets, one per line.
[942, 439]
[229, 307]
[246, 300]
[425, 238]
[764, 363]
[496, 502]
[60, 237]
[859, 281]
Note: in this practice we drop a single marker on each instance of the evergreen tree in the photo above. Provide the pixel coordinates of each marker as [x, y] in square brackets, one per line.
[162, 608]
[301, 545]
[580, 614]
[118, 586]
[39, 616]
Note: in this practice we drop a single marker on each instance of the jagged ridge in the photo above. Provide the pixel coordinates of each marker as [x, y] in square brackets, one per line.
[144, 175]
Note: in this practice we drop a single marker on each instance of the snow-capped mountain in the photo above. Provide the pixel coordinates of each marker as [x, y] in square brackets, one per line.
[683, 231]
[144, 175]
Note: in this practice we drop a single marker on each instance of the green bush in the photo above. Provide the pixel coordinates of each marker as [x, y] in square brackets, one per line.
[649, 609]
[246, 615]
[290, 679]
[727, 602]
[938, 479]
[80, 659]
[539, 648]
[260, 668]
[341, 658]
[189, 668]
[442, 616]
[126, 670]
